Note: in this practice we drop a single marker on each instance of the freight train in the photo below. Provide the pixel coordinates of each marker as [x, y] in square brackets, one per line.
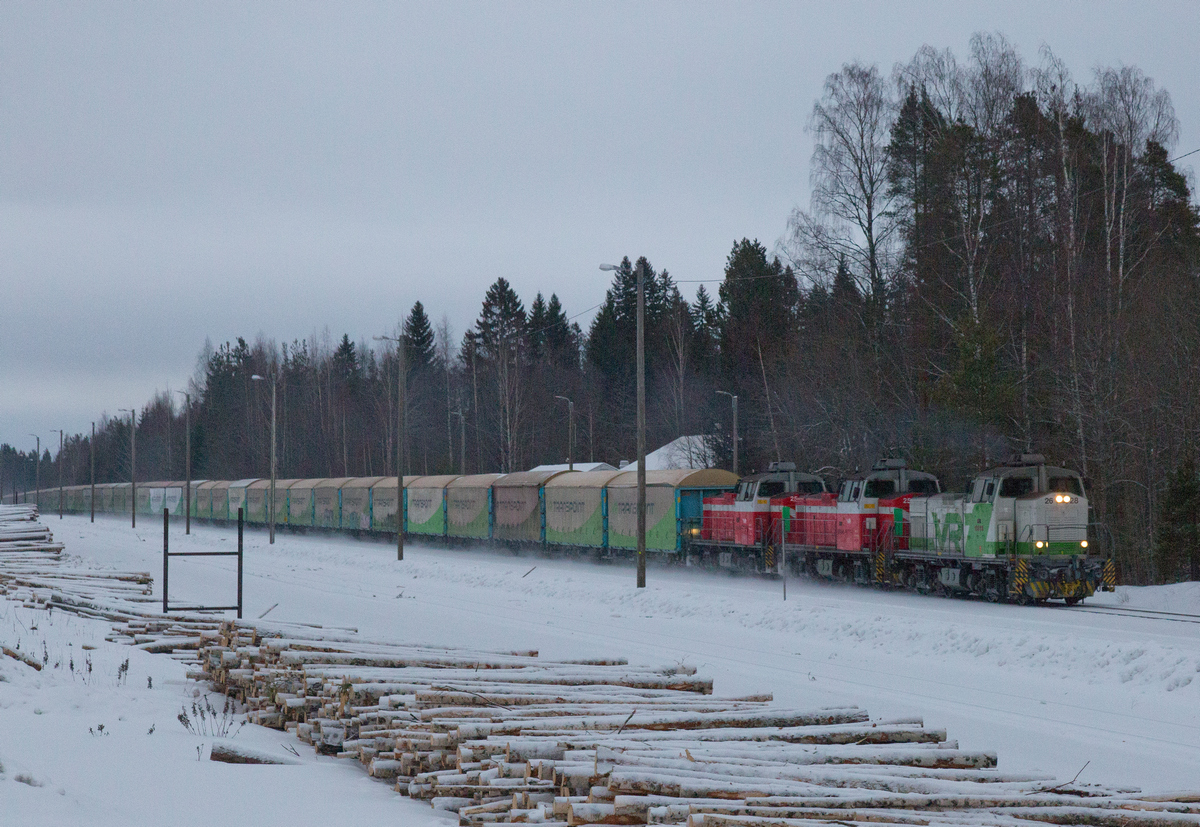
[1019, 533]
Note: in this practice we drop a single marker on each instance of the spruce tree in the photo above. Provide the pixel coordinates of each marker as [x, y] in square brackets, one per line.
[1177, 539]
[418, 335]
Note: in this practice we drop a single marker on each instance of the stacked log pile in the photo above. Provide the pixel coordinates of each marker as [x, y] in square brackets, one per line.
[20, 531]
[511, 738]
[508, 737]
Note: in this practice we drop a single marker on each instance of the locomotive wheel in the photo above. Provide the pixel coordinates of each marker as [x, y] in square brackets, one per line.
[991, 588]
[1071, 601]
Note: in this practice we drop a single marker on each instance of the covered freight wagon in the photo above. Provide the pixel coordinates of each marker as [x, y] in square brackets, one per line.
[257, 494]
[202, 499]
[356, 503]
[327, 502]
[469, 506]
[383, 503]
[577, 508]
[301, 503]
[674, 505]
[427, 505]
[517, 506]
[237, 497]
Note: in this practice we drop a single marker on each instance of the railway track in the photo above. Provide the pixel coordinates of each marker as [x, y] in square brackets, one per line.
[1144, 614]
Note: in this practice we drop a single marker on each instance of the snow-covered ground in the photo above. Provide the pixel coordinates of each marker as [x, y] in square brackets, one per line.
[1049, 689]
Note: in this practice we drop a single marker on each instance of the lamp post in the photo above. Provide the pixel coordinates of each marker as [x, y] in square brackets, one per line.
[59, 460]
[274, 384]
[187, 461]
[641, 419]
[462, 441]
[92, 496]
[37, 475]
[733, 398]
[132, 463]
[401, 396]
[570, 431]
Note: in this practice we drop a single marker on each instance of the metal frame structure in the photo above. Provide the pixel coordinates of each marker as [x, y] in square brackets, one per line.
[167, 555]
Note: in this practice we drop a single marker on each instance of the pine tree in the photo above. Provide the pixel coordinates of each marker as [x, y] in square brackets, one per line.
[502, 322]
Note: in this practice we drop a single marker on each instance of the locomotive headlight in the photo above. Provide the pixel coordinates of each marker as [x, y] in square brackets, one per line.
[1083, 543]
[1039, 544]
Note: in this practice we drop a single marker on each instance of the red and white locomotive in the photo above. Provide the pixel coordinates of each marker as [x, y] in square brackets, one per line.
[784, 508]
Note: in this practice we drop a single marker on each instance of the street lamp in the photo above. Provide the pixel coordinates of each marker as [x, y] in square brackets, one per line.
[37, 475]
[60, 487]
[132, 463]
[401, 395]
[570, 430]
[462, 441]
[187, 461]
[258, 378]
[733, 398]
[641, 418]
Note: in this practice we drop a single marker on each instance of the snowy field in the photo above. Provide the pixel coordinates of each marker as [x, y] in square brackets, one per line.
[1049, 689]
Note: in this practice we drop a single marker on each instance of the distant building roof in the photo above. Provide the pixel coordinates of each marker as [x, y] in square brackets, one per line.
[684, 452]
[579, 466]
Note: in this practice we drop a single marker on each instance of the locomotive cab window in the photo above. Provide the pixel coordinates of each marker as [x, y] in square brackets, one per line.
[1066, 485]
[1016, 486]
[745, 490]
[922, 486]
[989, 491]
[771, 488]
[880, 488]
[854, 493]
[847, 488]
[810, 487]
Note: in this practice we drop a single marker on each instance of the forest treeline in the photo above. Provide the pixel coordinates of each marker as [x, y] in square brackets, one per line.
[997, 258]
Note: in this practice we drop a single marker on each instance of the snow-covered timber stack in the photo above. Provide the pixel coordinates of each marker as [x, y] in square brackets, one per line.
[21, 532]
[506, 737]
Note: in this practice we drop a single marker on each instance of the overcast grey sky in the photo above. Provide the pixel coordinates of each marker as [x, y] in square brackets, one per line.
[170, 171]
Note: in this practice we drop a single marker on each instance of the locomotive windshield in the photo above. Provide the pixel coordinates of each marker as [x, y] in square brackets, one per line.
[1016, 486]
[745, 490]
[922, 486]
[810, 487]
[1066, 485]
[880, 488]
[771, 488]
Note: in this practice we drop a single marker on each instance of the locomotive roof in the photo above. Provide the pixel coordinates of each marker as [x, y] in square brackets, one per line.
[799, 475]
[890, 474]
[999, 470]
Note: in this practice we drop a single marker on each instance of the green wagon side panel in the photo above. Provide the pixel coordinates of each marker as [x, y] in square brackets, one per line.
[660, 518]
[426, 513]
[574, 517]
[467, 512]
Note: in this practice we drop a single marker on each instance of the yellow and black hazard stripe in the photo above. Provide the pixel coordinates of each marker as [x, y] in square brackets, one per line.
[769, 558]
[1109, 574]
[1020, 579]
[880, 567]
